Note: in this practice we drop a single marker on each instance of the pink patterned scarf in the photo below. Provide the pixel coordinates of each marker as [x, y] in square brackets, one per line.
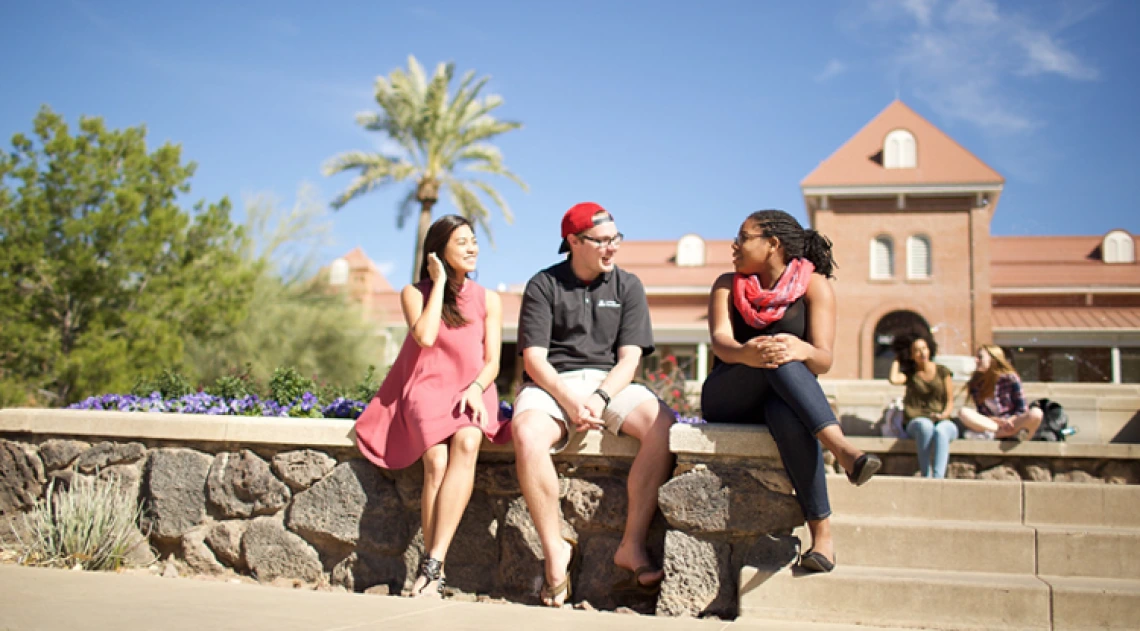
[761, 307]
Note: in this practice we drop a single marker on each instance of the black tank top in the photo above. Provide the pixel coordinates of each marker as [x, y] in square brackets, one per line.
[794, 322]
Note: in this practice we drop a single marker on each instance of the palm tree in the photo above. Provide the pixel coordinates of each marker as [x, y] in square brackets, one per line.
[437, 135]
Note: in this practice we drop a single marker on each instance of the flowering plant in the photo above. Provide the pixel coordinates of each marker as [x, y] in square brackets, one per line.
[668, 383]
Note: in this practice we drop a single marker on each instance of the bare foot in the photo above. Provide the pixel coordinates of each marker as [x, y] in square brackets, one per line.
[631, 557]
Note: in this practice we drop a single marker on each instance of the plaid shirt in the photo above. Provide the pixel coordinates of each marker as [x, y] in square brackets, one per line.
[1006, 401]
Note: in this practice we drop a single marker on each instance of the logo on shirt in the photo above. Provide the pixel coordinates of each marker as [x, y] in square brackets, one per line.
[609, 303]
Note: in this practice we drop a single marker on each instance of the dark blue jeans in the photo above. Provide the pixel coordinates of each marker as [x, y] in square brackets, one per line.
[790, 402]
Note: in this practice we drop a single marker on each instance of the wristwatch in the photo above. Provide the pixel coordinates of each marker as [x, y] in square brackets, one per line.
[604, 396]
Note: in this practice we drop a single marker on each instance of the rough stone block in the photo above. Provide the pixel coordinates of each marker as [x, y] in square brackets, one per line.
[196, 553]
[595, 504]
[105, 454]
[224, 539]
[21, 478]
[242, 485]
[174, 492]
[698, 577]
[301, 469]
[354, 506]
[59, 453]
[730, 502]
[271, 552]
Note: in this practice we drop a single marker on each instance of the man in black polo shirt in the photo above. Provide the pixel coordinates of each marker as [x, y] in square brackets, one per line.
[583, 328]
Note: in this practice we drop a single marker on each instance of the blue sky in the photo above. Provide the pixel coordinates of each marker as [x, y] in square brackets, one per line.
[677, 116]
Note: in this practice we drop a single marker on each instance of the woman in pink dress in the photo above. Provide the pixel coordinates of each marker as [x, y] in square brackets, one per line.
[439, 398]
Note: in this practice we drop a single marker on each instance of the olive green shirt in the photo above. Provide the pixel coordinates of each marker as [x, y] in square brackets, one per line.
[925, 398]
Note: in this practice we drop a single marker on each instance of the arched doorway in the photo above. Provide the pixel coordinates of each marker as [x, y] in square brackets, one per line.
[892, 330]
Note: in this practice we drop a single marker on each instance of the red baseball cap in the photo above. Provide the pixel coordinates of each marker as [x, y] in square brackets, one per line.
[580, 218]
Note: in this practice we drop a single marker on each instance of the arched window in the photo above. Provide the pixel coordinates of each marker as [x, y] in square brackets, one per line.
[690, 251]
[918, 256]
[338, 272]
[1118, 247]
[882, 257]
[899, 150]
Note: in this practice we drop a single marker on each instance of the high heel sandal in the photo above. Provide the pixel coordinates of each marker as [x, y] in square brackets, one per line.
[432, 570]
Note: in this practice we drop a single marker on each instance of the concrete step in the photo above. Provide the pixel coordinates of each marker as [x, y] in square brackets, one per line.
[1089, 552]
[931, 544]
[1074, 504]
[922, 498]
[1094, 603]
[896, 597]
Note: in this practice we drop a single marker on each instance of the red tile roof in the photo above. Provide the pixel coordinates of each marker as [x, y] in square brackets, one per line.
[941, 160]
[1066, 318]
[1062, 262]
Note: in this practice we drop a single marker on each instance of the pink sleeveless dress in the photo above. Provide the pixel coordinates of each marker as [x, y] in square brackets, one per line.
[417, 406]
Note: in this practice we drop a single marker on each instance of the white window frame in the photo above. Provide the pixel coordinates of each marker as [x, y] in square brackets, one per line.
[888, 242]
[919, 269]
[1118, 247]
[900, 150]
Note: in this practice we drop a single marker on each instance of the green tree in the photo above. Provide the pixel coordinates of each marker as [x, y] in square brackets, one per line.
[103, 276]
[295, 319]
[438, 135]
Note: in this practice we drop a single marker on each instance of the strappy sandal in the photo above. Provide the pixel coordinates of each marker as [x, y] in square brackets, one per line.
[432, 570]
[550, 594]
[865, 466]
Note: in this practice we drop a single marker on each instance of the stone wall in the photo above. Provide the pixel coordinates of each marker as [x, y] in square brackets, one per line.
[291, 499]
[321, 514]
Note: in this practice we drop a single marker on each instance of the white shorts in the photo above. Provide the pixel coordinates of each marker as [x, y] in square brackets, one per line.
[582, 383]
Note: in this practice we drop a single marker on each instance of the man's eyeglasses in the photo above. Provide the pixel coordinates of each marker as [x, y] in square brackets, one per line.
[601, 244]
[743, 237]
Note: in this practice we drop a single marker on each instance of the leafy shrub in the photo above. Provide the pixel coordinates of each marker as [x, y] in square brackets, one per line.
[235, 385]
[287, 385]
[169, 383]
[91, 524]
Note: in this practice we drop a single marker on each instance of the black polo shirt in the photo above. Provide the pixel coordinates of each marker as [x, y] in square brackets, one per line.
[582, 324]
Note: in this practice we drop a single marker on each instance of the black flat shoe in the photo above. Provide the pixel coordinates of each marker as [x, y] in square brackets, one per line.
[865, 466]
[815, 562]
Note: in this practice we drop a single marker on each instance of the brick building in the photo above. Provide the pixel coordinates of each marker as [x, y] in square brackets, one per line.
[909, 212]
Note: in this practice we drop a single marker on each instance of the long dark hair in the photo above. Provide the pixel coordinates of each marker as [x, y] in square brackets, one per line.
[797, 242]
[438, 236]
[903, 345]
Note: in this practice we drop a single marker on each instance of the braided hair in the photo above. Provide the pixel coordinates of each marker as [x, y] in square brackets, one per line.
[797, 242]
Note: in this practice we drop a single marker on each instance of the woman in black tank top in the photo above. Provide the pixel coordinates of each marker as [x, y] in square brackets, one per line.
[767, 374]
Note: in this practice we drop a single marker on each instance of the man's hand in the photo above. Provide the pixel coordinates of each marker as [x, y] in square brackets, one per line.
[585, 413]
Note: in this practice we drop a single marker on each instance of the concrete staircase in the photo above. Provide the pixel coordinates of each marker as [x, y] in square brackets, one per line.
[966, 554]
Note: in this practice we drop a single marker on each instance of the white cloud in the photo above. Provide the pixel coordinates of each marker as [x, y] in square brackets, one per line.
[386, 268]
[833, 69]
[965, 57]
[973, 12]
[920, 10]
[1045, 55]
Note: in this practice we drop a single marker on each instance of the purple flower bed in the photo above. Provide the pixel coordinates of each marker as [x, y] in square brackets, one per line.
[202, 403]
[253, 405]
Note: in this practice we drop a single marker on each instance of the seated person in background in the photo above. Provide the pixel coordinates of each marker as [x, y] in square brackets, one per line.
[927, 405]
[995, 390]
[772, 324]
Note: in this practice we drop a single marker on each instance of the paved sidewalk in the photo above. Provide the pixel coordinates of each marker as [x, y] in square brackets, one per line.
[35, 599]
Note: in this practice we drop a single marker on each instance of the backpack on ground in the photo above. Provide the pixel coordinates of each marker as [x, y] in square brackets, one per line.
[1055, 424]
